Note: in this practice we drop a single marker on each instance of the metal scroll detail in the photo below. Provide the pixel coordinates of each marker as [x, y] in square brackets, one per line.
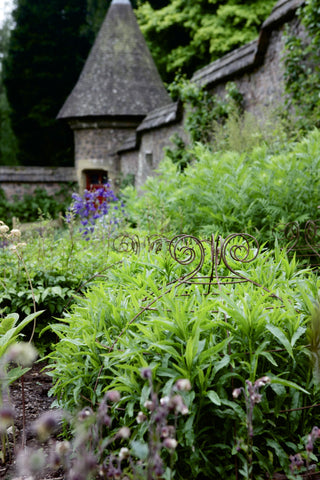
[187, 250]
[157, 243]
[312, 238]
[125, 243]
[226, 254]
[303, 240]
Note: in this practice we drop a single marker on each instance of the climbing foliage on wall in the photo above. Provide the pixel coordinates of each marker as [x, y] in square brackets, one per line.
[302, 70]
[204, 113]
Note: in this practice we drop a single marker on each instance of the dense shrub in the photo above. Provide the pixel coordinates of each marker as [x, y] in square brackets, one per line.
[31, 206]
[228, 191]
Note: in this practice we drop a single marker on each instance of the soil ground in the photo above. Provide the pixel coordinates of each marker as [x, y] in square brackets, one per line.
[36, 387]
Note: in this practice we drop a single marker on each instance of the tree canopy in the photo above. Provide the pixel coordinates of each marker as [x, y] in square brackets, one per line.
[47, 49]
[186, 34]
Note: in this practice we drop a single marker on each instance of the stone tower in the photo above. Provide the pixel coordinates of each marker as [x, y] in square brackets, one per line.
[118, 86]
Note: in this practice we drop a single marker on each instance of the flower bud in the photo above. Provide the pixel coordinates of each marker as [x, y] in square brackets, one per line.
[146, 373]
[124, 432]
[183, 385]
[165, 401]
[236, 392]
[62, 448]
[113, 396]
[124, 453]
[3, 228]
[6, 417]
[84, 414]
[170, 443]
[46, 425]
[149, 405]
[141, 417]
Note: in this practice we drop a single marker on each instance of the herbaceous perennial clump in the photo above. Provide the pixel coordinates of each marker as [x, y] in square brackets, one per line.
[96, 207]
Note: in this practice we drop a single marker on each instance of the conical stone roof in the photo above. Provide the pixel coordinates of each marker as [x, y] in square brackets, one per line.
[119, 77]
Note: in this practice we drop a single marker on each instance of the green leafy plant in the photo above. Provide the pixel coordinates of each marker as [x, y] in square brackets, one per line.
[217, 342]
[232, 192]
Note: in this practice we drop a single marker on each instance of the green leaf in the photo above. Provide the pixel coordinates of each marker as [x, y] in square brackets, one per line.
[214, 397]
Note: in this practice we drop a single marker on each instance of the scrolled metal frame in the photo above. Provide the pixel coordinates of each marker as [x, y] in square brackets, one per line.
[126, 243]
[302, 239]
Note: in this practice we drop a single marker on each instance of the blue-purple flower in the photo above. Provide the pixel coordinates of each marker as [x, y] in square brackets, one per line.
[97, 205]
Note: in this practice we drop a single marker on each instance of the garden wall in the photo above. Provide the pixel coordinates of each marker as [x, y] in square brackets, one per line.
[256, 68]
[21, 180]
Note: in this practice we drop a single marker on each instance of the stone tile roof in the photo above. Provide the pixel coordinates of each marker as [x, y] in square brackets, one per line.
[160, 117]
[119, 77]
[250, 54]
[131, 143]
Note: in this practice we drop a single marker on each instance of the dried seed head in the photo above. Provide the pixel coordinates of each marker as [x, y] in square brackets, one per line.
[22, 353]
[30, 462]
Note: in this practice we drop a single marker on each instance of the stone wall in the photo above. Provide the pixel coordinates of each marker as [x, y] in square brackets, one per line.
[21, 180]
[96, 145]
[256, 68]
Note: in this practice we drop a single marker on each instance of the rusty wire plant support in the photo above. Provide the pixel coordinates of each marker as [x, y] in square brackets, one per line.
[302, 240]
[127, 243]
[226, 257]
[187, 250]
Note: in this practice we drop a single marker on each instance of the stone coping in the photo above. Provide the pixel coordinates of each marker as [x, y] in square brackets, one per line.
[249, 55]
[25, 174]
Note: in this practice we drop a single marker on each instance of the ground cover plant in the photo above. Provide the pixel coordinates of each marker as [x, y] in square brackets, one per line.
[69, 262]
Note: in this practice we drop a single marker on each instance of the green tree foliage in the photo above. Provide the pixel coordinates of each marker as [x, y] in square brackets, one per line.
[8, 143]
[186, 35]
[46, 52]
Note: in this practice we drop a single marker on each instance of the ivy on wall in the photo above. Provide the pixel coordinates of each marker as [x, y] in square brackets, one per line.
[203, 112]
[302, 68]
